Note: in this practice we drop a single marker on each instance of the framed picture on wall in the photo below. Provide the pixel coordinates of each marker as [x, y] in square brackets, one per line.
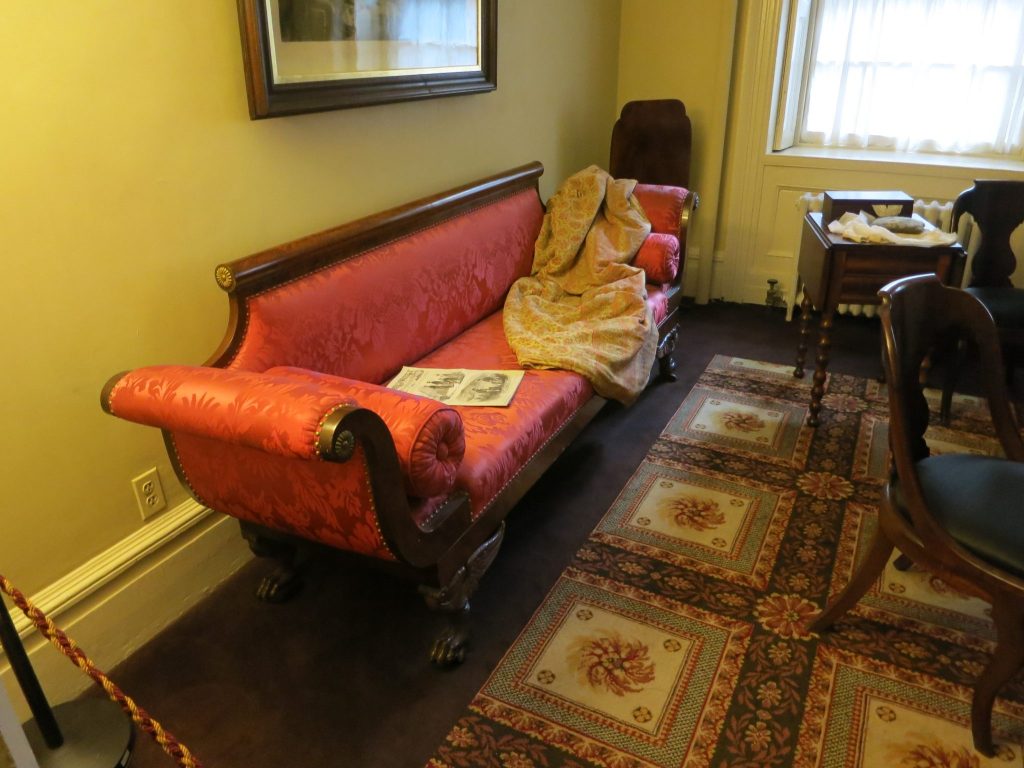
[316, 55]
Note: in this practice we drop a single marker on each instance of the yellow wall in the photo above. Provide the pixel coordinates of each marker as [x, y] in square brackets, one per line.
[129, 168]
[682, 49]
[672, 49]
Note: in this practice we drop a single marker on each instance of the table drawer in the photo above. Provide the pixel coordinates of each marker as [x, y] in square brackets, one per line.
[863, 288]
[920, 260]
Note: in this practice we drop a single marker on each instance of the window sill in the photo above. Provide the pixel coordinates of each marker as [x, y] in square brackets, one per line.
[920, 164]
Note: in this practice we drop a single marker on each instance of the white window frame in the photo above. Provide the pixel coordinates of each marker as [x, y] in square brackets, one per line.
[797, 49]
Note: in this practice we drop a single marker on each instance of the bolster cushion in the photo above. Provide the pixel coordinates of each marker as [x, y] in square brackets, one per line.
[272, 414]
[663, 206]
[428, 435]
[659, 258]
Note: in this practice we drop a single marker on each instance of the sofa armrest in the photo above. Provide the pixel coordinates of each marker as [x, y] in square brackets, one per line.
[258, 447]
[283, 412]
[428, 435]
[275, 415]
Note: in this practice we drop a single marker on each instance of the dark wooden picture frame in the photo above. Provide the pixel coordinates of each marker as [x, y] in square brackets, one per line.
[269, 97]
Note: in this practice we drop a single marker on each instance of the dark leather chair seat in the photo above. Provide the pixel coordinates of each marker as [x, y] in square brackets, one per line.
[1005, 304]
[978, 500]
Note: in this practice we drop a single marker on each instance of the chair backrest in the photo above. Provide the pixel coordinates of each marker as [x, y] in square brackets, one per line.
[651, 143]
[997, 207]
[919, 315]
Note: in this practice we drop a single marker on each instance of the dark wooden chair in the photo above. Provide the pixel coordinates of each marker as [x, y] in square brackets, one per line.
[651, 143]
[997, 207]
[958, 516]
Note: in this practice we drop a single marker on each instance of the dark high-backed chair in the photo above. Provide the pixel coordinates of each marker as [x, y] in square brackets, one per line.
[997, 207]
[651, 143]
[958, 516]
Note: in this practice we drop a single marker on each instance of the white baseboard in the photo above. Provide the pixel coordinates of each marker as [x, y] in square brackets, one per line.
[121, 598]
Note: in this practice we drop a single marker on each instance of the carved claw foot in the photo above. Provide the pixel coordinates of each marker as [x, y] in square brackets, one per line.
[667, 368]
[666, 362]
[285, 580]
[281, 585]
[903, 563]
[449, 649]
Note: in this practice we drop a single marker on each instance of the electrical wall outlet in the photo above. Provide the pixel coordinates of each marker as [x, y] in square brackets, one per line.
[149, 493]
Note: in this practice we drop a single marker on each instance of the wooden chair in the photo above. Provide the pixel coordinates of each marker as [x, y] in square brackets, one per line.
[958, 516]
[651, 143]
[997, 207]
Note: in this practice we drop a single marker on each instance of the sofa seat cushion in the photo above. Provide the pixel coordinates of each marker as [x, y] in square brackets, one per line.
[500, 441]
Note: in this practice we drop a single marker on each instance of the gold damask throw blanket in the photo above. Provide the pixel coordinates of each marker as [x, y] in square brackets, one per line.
[584, 307]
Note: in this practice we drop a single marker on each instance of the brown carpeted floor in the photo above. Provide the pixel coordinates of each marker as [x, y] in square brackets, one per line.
[339, 676]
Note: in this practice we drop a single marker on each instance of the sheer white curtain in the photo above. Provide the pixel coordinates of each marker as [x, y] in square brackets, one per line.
[916, 75]
[450, 22]
[429, 33]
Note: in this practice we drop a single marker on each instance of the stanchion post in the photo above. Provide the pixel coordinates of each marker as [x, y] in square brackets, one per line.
[28, 681]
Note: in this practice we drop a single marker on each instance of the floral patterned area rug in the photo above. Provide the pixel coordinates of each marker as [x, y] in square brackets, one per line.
[676, 637]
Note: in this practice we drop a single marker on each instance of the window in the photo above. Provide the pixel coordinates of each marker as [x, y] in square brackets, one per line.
[909, 75]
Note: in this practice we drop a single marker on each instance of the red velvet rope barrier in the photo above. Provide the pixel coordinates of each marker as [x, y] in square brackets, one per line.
[67, 646]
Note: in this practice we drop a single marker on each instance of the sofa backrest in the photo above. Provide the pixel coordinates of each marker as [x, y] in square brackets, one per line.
[430, 272]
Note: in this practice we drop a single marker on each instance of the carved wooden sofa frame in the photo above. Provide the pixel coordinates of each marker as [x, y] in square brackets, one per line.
[447, 550]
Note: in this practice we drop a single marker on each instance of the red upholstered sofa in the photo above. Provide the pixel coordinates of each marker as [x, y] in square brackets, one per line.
[288, 427]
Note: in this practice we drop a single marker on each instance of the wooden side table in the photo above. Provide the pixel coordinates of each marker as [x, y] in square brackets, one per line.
[835, 271]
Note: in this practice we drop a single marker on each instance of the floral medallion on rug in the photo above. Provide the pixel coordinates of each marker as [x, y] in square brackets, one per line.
[677, 635]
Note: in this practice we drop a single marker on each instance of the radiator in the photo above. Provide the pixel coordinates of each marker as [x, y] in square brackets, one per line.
[938, 213]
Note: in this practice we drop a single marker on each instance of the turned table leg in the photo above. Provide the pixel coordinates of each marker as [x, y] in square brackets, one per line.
[821, 364]
[805, 332]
